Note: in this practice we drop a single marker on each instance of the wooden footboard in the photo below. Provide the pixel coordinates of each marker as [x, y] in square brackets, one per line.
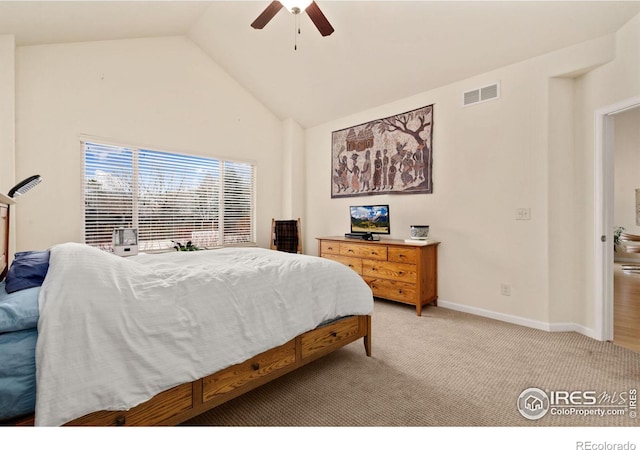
[188, 400]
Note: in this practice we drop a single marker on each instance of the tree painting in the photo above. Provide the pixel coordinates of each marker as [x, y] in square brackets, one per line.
[393, 155]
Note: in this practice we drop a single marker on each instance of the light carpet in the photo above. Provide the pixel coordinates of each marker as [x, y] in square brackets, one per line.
[446, 368]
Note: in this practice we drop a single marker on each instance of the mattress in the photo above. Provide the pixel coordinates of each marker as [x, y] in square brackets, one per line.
[153, 322]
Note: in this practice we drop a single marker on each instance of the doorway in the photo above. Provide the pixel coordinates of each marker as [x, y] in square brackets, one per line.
[604, 216]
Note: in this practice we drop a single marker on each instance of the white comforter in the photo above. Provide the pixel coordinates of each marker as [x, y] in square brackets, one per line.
[113, 332]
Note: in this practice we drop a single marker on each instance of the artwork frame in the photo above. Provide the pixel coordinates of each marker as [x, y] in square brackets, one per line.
[362, 162]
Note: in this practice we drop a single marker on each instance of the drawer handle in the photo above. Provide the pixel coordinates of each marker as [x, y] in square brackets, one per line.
[400, 272]
[255, 366]
[351, 265]
[334, 334]
[330, 248]
[399, 291]
[350, 251]
[121, 421]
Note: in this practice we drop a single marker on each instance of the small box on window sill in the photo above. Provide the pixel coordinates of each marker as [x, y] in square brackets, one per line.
[125, 241]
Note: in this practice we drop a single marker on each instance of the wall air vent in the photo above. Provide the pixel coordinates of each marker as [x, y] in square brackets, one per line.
[482, 94]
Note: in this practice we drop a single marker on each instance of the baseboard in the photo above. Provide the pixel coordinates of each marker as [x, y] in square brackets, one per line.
[517, 320]
[575, 327]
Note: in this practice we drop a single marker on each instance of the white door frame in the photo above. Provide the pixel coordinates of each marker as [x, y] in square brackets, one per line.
[603, 216]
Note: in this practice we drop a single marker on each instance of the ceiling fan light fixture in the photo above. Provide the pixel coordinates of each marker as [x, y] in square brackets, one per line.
[296, 6]
[310, 7]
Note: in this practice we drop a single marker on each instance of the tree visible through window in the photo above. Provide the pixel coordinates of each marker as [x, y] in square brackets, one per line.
[168, 197]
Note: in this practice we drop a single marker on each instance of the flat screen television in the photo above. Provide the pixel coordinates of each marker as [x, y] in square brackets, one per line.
[372, 219]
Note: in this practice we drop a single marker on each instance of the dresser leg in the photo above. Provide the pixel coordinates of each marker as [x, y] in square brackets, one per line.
[419, 309]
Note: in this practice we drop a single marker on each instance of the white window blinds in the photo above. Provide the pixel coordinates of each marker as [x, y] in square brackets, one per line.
[168, 197]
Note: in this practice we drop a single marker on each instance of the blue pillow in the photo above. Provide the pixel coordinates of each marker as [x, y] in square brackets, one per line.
[19, 310]
[27, 270]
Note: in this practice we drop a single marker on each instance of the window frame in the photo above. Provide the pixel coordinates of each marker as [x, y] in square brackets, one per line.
[223, 162]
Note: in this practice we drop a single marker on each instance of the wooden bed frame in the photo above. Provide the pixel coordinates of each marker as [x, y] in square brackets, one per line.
[188, 400]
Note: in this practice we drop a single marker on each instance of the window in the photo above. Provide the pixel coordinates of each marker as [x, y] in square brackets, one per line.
[168, 197]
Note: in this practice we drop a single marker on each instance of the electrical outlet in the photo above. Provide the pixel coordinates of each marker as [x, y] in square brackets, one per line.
[505, 289]
[523, 213]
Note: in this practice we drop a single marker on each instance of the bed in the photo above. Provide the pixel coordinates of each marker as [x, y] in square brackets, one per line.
[158, 339]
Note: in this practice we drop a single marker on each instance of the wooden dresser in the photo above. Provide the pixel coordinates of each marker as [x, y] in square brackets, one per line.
[395, 270]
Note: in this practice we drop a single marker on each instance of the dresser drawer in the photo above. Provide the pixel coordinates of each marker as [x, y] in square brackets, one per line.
[392, 290]
[322, 340]
[329, 247]
[354, 263]
[390, 270]
[160, 408]
[403, 255]
[377, 252]
[241, 374]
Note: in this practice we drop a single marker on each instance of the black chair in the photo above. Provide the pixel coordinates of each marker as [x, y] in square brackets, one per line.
[286, 236]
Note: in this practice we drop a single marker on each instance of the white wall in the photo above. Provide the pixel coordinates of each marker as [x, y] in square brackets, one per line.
[562, 198]
[293, 181]
[162, 93]
[7, 121]
[516, 152]
[7, 112]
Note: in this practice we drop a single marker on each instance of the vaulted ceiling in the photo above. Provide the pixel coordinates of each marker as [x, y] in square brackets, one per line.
[381, 51]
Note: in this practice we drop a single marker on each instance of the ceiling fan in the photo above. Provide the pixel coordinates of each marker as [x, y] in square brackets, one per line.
[295, 7]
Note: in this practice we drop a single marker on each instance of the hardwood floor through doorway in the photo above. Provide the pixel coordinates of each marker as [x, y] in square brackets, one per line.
[626, 308]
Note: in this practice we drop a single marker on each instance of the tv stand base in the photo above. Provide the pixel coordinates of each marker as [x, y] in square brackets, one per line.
[362, 236]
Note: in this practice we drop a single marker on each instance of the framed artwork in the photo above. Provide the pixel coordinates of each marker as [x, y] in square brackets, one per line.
[393, 155]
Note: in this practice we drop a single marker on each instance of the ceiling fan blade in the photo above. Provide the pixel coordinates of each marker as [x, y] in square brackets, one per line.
[320, 21]
[267, 15]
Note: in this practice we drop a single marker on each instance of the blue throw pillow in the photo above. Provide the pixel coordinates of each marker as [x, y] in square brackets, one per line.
[27, 270]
